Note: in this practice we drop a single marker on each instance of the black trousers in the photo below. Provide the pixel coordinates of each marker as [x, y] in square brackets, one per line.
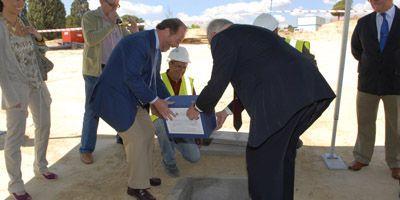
[271, 166]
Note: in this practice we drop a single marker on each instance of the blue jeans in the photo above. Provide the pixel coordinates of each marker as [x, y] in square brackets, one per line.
[90, 121]
[188, 148]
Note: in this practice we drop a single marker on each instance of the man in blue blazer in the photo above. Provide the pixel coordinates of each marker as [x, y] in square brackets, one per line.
[376, 45]
[282, 91]
[129, 84]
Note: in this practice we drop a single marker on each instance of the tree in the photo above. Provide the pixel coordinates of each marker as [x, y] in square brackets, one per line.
[128, 18]
[47, 14]
[290, 28]
[78, 8]
[194, 26]
[340, 5]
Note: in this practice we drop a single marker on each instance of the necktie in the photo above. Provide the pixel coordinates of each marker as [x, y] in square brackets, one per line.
[384, 32]
[237, 115]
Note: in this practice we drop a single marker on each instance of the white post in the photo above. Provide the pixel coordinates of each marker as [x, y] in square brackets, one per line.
[270, 7]
[332, 160]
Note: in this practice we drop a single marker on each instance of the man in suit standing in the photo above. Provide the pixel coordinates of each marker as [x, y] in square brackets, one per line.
[376, 45]
[235, 108]
[130, 82]
[283, 92]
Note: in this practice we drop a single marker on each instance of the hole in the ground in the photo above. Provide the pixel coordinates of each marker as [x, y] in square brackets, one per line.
[210, 188]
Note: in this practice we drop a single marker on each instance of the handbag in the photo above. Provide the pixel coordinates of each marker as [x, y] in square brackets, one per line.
[40, 48]
[45, 65]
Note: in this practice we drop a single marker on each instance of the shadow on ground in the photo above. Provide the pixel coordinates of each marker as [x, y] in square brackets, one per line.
[106, 178]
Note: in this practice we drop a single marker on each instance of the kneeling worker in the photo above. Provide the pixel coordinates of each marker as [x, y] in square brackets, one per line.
[177, 84]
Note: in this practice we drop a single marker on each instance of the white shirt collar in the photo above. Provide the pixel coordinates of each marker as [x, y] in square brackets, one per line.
[157, 40]
[389, 13]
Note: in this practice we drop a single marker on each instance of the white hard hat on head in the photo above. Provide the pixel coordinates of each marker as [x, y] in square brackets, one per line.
[179, 54]
[267, 21]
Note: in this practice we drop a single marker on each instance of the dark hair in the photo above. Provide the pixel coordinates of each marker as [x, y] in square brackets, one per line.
[1, 6]
[172, 23]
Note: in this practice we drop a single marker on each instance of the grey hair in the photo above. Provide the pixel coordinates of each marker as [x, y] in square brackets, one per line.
[217, 25]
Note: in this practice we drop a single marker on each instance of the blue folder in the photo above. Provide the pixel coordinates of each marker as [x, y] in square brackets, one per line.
[208, 119]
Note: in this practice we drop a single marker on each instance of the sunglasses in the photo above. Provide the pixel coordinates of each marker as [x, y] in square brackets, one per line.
[178, 66]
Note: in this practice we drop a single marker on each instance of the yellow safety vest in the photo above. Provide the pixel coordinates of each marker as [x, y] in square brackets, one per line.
[185, 89]
[298, 44]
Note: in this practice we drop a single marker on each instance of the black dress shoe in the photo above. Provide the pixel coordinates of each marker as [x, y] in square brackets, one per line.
[299, 144]
[140, 194]
[118, 139]
[155, 181]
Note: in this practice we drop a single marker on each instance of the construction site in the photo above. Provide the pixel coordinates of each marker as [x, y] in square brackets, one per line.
[223, 159]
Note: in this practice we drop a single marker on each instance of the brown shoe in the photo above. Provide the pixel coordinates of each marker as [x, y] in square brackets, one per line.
[396, 173]
[140, 194]
[87, 158]
[155, 181]
[355, 166]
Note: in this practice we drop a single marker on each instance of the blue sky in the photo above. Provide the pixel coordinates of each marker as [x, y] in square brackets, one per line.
[201, 11]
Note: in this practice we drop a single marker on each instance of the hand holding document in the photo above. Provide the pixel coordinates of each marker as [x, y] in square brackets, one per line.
[181, 126]
[162, 109]
[192, 113]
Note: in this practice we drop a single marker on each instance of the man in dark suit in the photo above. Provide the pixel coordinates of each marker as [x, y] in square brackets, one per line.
[283, 92]
[130, 82]
[376, 45]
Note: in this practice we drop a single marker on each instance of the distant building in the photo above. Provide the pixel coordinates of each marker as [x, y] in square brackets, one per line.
[310, 23]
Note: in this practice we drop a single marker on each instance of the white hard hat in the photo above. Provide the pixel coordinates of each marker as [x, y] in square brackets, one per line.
[267, 21]
[179, 54]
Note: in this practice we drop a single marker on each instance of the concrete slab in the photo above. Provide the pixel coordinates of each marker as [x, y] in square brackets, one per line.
[210, 188]
[232, 138]
[223, 150]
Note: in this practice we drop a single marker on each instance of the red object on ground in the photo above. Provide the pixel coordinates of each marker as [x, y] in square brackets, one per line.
[72, 36]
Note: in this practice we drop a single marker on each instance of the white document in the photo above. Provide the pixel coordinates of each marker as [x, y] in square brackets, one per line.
[181, 124]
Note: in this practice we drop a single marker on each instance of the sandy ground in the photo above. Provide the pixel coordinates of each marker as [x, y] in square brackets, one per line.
[106, 178]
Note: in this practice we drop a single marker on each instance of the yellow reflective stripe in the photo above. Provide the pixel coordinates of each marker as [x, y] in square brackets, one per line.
[307, 45]
[294, 43]
[153, 118]
[165, 79]
[185, 89]
[298, 44]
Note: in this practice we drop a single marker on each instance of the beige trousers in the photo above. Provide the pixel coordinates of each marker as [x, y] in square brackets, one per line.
[138, 143]
[367, 109]
[38, 101]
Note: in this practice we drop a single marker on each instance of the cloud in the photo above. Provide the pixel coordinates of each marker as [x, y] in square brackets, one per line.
[297, 11]
[130, 8]
[330, 1]
[359, 7]
[241, 12]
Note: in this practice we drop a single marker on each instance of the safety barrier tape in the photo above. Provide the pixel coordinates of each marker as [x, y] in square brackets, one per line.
[67, 29]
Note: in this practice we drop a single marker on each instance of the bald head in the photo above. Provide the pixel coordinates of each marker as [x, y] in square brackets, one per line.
[216, 26]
